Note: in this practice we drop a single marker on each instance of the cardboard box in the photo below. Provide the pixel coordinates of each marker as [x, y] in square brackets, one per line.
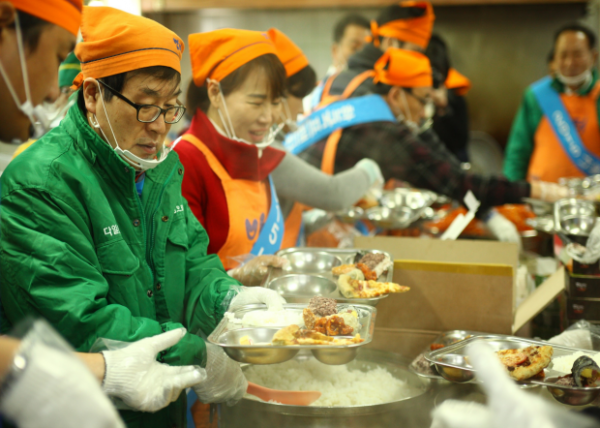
[583, 309]
[455, 285]
[581, 286]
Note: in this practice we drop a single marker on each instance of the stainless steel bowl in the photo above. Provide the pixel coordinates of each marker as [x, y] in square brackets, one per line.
[351, 215]
[311, 262]
[574, 217]
[303, 287]
[392, 218]
[457, 373]
[254, 354]
[335, 357]
[572, 396]
[579, 226]
[409, 198]
[542, 224]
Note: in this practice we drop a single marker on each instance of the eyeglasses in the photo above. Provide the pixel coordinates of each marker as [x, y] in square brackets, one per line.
[148, 113]
[424, 101]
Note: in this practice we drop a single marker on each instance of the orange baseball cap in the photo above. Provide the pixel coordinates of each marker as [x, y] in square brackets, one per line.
[289, 53]
[415, 30]
[407, 69]
[458, 82]
[116, 42]
[64, 13]
[217, 54]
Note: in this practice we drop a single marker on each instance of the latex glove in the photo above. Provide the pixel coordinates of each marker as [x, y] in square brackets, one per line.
[225, 382]
[549, 192]
[372, 169]
[502, 228]
[57, 390]
[257, 295]
[134, 375]
[254, 271]
[591, 252]
[460, 414]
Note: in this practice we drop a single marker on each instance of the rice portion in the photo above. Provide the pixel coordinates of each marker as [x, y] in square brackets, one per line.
[565, 364]
[340, 386]
[272, 318]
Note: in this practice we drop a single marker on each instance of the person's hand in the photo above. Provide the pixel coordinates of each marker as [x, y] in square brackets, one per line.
[56, 390]
[502, 228]
[549, 192]
[254, 272]
[257, 295]
[225, 382]
[372, 169]
[134, 375]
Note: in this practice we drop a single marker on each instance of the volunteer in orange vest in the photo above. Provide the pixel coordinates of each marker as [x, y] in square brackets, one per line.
[236, 96]
[336, 192]
[405, 25]
[555, 133]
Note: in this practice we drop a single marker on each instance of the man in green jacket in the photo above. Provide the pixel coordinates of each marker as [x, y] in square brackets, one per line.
[96, 236]
[535, 151]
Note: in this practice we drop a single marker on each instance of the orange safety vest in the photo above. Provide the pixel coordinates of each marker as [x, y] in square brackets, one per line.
[248, 201]
[549, 161]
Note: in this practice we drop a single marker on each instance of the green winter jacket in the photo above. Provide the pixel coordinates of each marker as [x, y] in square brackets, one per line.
[521, 139]
[82, 249]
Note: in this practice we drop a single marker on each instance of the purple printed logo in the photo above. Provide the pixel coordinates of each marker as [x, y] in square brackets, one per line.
[253, 228]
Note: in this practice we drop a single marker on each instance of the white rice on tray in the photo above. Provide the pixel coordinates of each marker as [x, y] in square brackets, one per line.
[340, 387]
[565, 364]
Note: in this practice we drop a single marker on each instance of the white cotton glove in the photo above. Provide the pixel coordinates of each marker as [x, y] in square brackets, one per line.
[254, 271]
[591, 252]
[549, 192]
[57, 390]
[372, 169]
[460, 414]
[257, 295]
[502, 228]
[225, 382]
[134, 375]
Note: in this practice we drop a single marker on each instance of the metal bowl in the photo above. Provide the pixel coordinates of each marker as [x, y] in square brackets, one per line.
[392, 218]
[351, 215]
[409, 198]
[576, 225]
[335, 357]
[311, 262]
[570, 395]
[301, 288]
[454, 374]
[254, 354]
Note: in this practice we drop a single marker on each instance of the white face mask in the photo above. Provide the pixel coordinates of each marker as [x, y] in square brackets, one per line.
[575, 80]
[230, 132]
[36, 114]
[135, 161]
[56, 114]
[287, 116]
[416, 128]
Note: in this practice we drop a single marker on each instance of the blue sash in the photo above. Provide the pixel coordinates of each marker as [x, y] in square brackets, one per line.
[271, 233]
[340, 114]
[563, 127]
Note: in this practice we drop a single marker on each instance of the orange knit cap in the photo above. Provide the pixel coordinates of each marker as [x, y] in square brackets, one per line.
[289, 53]
[414, 30]
[217, 54]
[458, 82]
[116, 42]
[64, 13]
[407, 69]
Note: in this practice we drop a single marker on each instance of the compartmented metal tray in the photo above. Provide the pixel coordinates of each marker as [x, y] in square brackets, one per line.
[309, 274]
[452, 364]
[228, 334]
[446, 339]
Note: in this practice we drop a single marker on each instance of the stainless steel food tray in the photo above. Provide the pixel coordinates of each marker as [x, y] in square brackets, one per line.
[227, 335]
[452, 364]
[447, 338]
[316, 263]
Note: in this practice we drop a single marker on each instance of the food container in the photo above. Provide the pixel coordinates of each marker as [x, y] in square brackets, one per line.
[392, 218]
[408, 412]
[315, 264]
[452, 363]
[351, 215]
[574, 217]
[228, 335]
[583, 309]
[446, 339]
[408, 198]
[539, 207]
